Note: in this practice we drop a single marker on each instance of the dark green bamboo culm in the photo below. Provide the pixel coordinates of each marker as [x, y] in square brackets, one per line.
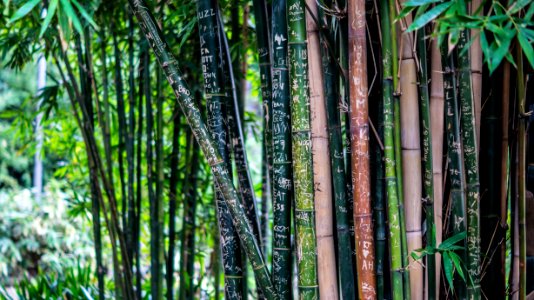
[214, 91]
[333, 115]
[395, 232]
[173, 190]
[426, 156]
[470, 150]
[187, 251]
[301, 149]
[225, 185]
[130, 141]
[456, 172]
[521, 178]
[282, 176]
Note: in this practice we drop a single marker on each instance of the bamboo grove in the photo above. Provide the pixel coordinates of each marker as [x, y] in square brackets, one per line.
[392, 159]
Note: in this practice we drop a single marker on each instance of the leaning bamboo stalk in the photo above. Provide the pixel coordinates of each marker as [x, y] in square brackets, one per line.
[220, 172]
[302, 151]
[359, 130]
[393, 212]
[211, 57]
[411, 158]
[426, 157]
[504, 178]
[437, 106]
[470, 150]
[282, 175]
[322, 171]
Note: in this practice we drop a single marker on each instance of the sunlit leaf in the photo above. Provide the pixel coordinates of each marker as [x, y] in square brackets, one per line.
[446, 244]
[24, 10]
[84, 14]
[457, 264]
[527, 47]
[448, 268]
[429, 16]
[49, 15]
[69, 11]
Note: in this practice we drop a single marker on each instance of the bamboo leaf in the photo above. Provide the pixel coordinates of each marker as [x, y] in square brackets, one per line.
[457, 264]
[429, 16]
[518, 5]
[446, 244]
[85, 14]
[24, 10]
[526, 46]
[49, 15]
[414, 3]
[69, 12]
[448, 268]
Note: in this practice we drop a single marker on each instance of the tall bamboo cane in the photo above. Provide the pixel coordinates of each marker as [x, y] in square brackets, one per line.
[322, 172]
[456, 168]
[220, 172]
[522, 157]
[302, 151]
[211, 57]
[428, 185]
[411, 158]
[470, 149]
[437, 106]
[359, 130]
[334, 110]
[395, 244]
[282, 175]
[476, 67]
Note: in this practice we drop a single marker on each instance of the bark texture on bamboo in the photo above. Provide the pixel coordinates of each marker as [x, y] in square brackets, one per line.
[359, 132]
[302, 151]
[211, 57]
[470, 150]
[393, 211]
[282, 175]
[220, 172]
[322, 171]
[437, 106]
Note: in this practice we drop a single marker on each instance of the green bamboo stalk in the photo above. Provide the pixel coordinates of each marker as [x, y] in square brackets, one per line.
[211, 54]
[331, 84]
[220, 172]
[173, 190]
[187, 253]
[301, 150]
[130, 139]
[470, 149]
[428, 178]
[456, 172]
[282, 175]
[398, 146]
[121, 112]
[393, 207]
[522, 157]
[264, 59]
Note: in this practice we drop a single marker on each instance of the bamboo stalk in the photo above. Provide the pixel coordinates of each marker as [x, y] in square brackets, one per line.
[522, 157]
[455, 164]
[225, 185]
[322, 172]
[393, 211]
[302, 152]
[470, 150]
[411, 161]
[334, 110]
[359, 129]
[426, 157]
[504, 178]
[282, 175]
[130, 140]
[437, 106]
[476, 67]
[214, 87]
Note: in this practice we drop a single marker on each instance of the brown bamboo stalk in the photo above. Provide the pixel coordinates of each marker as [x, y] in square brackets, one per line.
[322, 171]
[437, 106]
[359, 133]
[476, 70]
[411, 158]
